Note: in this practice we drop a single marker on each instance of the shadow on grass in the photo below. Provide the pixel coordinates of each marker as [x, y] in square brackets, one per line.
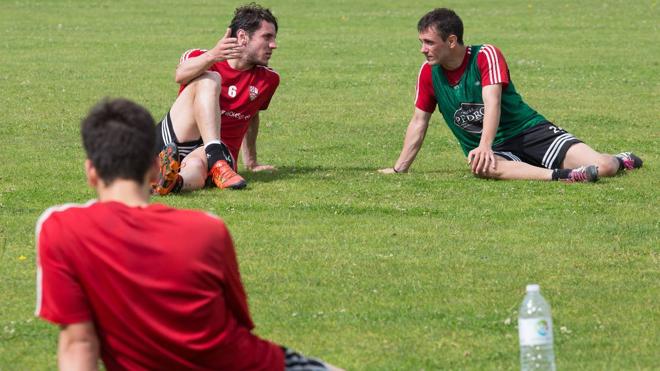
[293, 172]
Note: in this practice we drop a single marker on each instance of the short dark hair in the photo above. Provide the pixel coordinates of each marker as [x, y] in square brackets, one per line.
[119, 138]
[444, 22]
[248, 17]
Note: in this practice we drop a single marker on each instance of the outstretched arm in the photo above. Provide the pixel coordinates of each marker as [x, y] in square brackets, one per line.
[482, 158]
[78, 347]
[226, 48]
[412, 143]
[250, 147]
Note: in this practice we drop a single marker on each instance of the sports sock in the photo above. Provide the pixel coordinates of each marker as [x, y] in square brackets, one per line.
[217, 151]
[178, 184]
[622, 166]
[558, 174]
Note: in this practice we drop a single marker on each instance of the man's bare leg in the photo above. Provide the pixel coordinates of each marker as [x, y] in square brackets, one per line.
[196, 112]
[194, 170]
[581, 154]
[515, 170]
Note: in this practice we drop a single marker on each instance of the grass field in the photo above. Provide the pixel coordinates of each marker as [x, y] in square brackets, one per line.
[418, 271]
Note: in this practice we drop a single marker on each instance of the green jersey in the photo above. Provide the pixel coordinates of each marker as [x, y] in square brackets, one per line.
[462, 106]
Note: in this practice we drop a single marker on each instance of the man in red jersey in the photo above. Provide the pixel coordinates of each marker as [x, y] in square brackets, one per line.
[502, 137]
[145, 287]
[221, 93]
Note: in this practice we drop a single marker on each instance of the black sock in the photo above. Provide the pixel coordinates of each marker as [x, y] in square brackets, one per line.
[621, 165]
[216, 152]
[177, 185]
[558, 174]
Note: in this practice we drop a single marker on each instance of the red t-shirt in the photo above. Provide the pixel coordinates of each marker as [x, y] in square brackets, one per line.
[161, 286]
[242, 96]
[490, 61]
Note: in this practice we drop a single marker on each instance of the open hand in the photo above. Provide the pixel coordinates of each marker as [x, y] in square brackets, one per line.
[388, 170]
[257, 168]
[481, 160]
[227, 48]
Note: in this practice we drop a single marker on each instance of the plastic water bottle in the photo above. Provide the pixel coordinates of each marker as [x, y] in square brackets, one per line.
[535, 332]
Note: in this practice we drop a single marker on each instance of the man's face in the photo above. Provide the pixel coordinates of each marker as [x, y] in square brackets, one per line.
[260, 45]
[433, 47]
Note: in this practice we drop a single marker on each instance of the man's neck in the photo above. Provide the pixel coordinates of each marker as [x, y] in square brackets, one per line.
[456, 58]
[240, 64]
[128, 192]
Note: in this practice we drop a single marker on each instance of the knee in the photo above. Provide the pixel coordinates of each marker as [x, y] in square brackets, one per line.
[197, 166]
[607, 165]
[208, 81]
[194, 172]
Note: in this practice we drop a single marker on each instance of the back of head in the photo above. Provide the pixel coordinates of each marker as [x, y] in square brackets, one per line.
[444, 22]
[248, 17]
[118, 136]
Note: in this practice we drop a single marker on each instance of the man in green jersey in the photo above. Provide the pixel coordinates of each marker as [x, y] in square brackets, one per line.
[502, 137]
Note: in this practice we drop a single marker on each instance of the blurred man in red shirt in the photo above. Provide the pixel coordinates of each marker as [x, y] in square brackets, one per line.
[145, 287]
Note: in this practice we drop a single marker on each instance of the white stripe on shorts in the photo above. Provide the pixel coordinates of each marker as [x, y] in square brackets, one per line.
[508, 155]
[185, 150]
[168, 137]
[165, 130]
[552, 152]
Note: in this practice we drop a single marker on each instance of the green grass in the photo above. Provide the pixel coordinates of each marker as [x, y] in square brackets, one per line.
[419, 271]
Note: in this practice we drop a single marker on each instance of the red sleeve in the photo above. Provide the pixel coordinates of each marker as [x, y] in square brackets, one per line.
[235, 296]
[60, 298]
[191, 53]
[424, 95]
[274, 83]
[493, 67]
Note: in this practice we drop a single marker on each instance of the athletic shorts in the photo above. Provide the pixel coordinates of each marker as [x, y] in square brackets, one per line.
[543, 145]
[165, 135]
[294, 361]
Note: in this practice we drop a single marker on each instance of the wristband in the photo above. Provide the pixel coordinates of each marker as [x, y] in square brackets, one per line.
[394, 169]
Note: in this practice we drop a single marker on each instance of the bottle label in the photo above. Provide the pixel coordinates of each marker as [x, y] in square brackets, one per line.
[535, 331]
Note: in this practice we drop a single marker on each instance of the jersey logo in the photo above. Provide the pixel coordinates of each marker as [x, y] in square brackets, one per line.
[254, 92]
[470, 117]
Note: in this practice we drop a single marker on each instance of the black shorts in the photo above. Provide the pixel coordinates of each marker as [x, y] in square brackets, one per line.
[294, 361]
[543, 145]
[165, 135]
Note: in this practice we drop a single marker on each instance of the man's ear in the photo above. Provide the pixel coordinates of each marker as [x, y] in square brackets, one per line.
[242, 37]
[91, 174]
[452, 40]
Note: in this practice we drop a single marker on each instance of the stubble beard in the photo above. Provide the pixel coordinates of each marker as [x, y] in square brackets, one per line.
[254, 60]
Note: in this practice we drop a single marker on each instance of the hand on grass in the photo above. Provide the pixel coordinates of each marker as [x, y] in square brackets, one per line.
[257, 168]
[389, 170]
[481, 160]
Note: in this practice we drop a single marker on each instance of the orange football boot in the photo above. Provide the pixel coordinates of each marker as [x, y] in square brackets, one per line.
[224, 176]
[168, 176]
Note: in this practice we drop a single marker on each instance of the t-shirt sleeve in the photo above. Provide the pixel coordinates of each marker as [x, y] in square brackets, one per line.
[274, 83]
[492, 66]
[235, 296]
[424, 94]
[60, 298]
[191, 53]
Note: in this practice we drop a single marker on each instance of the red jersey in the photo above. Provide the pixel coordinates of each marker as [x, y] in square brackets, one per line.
[492, 66]
[243, 94]
[161, 286]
